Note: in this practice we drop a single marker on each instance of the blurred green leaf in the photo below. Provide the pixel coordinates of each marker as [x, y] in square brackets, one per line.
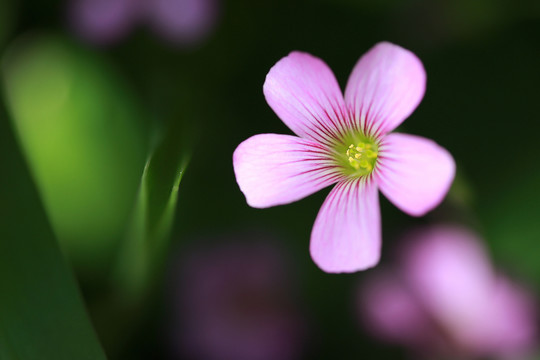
[142, 254]
[42, 316]
[82, 135]
[147, 236]
[511, 219]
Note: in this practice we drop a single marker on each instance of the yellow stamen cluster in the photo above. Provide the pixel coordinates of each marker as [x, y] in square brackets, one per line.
[362, 156]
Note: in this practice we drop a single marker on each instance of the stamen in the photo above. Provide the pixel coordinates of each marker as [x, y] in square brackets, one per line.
[362, 157]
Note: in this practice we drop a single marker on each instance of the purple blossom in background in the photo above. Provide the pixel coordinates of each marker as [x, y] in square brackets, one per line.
[182, 22]
[443, 298]
[345, 140]
[102, 21]
[236, 301]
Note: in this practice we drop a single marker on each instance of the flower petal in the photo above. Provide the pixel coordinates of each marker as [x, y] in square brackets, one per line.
[276, 169]
[510, 329]
[346, 236]
[304, 93]
[449, 269]
[414, 173]
[385, 87]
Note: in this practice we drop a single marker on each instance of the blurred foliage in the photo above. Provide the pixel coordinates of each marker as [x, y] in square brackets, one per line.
[511, 224]
[42, 316]
[142, 252]
[82, 135]
[146, 239]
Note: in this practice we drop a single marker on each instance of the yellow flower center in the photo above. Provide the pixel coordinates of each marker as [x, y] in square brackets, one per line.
[362, 156]
[356, 154]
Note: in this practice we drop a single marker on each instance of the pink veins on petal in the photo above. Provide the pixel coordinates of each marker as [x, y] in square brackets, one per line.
[344, 140]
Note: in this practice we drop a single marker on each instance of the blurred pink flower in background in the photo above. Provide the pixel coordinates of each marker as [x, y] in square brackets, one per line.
[443, 298]
[236, 301]
[182, 22]
[345, 139]
[102, 21]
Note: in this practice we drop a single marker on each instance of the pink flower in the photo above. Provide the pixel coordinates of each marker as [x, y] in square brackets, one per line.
[345, 140]
[102, 21]
[185, 22]
[182, 22]
[445, 299]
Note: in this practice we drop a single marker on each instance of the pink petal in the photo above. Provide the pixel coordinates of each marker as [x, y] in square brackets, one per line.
[304, 93]
[385, 87]
[510, 328]
[346, 236]
[450, 271]
[276, 169]
[414, 173]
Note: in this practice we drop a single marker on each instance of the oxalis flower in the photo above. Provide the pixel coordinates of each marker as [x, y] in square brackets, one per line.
[444, 299]
[345, 140]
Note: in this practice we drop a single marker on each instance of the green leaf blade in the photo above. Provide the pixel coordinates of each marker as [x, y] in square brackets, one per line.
[42, 316]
